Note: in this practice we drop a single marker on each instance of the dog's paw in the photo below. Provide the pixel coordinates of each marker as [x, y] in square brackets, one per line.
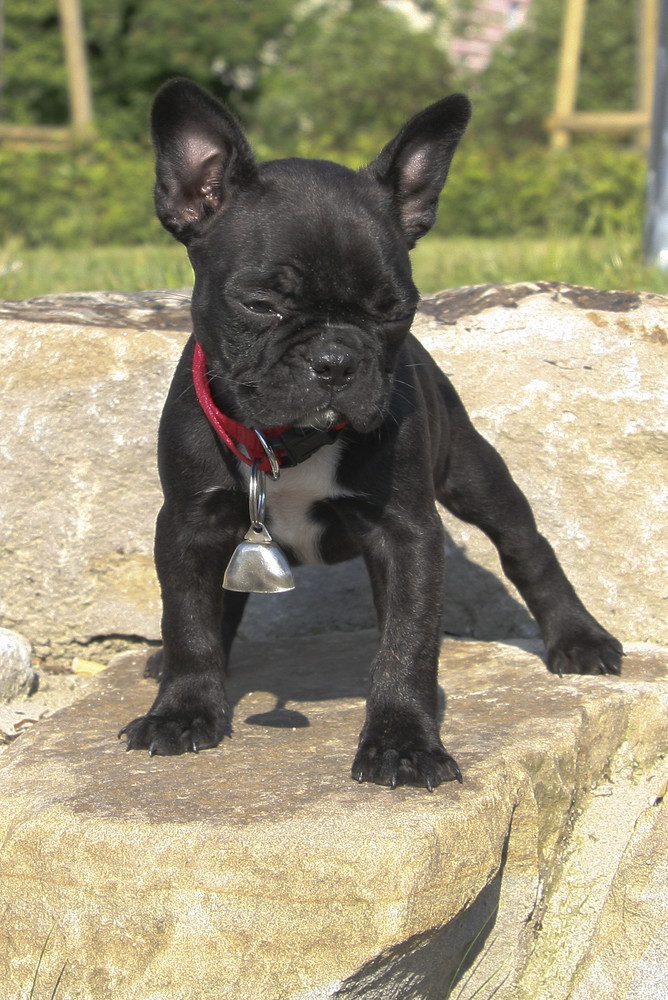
[183, 730]
[404, 762]
[586, 650]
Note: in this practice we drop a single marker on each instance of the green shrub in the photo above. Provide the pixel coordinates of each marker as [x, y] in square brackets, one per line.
[594, 188]
[85, 196]
[101, 194]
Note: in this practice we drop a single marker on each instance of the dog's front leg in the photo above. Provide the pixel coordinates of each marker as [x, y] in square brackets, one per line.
[400, 741]
[190, 711]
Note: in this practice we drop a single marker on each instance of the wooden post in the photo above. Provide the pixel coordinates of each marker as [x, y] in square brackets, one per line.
[565, 119]
[648, 27]
[569, 68]
[81, 103]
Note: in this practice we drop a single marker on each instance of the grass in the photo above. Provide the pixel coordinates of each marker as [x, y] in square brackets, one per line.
[473, 968]
[614, 263]
[438, 263]
[26, 273]
[39, 964]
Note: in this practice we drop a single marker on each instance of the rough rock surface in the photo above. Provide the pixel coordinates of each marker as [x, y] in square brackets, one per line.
[16, 671]
[48, 694]
[571, 385]
[260, 871]
[78, 481]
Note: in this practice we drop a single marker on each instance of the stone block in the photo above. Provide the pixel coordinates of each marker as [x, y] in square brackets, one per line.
[570, 384]
[261, 871]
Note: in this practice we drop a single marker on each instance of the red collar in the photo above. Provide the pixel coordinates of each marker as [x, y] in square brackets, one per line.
[291, 445]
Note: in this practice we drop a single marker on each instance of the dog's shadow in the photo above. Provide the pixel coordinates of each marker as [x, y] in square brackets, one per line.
[477, 603]
[281, 653]
[279, 717]
[272, 683]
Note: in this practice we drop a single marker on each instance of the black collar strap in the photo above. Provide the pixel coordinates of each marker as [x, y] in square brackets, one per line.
[296, 444]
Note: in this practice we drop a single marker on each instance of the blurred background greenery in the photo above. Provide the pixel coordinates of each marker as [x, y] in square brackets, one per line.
[333, 78]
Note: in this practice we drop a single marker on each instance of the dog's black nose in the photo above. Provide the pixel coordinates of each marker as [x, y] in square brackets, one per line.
[334, 365]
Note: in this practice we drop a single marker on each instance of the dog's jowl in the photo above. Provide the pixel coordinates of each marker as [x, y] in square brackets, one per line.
[302, 308]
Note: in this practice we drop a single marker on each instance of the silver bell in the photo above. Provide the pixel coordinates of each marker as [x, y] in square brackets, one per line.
[258, 566]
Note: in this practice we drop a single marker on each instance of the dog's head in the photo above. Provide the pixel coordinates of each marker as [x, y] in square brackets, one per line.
[303, 290]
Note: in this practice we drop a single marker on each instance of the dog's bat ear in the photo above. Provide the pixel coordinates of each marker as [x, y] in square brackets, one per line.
[415, 164]
[202, 157]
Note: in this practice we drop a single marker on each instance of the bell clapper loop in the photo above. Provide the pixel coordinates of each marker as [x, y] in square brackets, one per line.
[257, 497]
[270, 453]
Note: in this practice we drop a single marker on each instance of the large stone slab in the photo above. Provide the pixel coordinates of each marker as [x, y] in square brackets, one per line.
[570, 384]
[605, 930]
[260, 871]
[629, 950]
[84, 383]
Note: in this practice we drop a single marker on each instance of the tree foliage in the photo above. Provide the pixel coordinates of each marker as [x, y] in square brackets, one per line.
[346, 78]
[313, 77]
[133, 46]
[327, 75]
[33, 69]
[332, 69]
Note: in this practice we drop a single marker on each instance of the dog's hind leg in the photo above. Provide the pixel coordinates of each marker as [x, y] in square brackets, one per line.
[478, 488]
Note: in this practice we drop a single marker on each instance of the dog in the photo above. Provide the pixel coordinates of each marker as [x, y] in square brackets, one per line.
[302, 307]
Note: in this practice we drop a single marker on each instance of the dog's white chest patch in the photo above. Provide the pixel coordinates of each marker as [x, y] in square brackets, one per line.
[290, 497]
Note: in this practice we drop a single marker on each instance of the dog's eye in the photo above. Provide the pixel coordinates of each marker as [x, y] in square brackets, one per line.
[398, 322]
[261, 308]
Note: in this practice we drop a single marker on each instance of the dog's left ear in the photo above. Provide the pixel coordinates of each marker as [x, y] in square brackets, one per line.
[202, 157]
[415, 164]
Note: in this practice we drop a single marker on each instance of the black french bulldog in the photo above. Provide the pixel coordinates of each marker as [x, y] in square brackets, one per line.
[302, 308]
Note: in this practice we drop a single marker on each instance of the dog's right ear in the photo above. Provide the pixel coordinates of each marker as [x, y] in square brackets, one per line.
[202, 158]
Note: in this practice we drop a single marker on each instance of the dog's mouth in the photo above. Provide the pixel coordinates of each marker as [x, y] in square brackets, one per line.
[308, 404]
[321, 420]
